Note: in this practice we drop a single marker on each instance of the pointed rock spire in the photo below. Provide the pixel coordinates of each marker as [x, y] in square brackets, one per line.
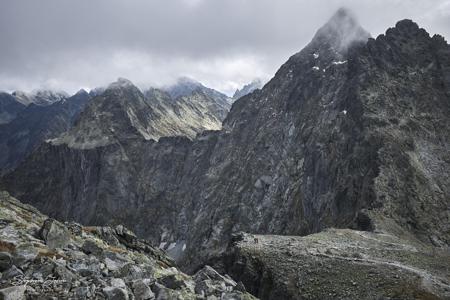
[341, 31]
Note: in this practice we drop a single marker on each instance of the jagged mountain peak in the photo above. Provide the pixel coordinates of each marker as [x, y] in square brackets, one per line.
[183, 86]
[341, 31]
[81, 92]
[248, 88]
[407, 29]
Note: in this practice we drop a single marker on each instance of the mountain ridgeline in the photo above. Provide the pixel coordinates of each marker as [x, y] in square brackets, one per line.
[352, 132]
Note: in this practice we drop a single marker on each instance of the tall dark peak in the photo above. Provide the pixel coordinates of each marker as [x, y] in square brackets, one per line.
[407, 25]
[341, 31]
[407, 30]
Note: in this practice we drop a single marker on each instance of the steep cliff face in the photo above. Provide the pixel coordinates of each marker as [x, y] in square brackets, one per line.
[187, 113]
[9, 108]
[349, 133]
[35, 124]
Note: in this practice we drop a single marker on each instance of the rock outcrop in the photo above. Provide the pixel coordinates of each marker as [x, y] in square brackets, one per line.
[43, 257]
[350, 133]
[338, 264]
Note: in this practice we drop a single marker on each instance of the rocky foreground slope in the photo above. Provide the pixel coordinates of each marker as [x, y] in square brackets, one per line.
[352, 132]
[43, 257]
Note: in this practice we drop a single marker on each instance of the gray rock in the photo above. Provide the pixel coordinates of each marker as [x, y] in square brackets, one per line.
[55, 234]
[113, 293]
[11, 273]
[91, 247]
[82, 292]
[6, 261]
[117, 282]
[13, 293]
[142, 291]
[172, 282]
[162, 293]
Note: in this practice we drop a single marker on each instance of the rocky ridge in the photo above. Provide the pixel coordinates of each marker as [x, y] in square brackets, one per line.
[122, 112]
[40, 256]
[40, 97]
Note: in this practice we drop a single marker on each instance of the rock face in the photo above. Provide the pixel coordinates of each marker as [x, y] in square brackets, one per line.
[9, 108]
[189, 113]
[338, 264]
[125, 268]
[35, 124]
[350, 133]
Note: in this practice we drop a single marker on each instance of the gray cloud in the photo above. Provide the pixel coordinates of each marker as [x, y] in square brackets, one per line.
[69, 44]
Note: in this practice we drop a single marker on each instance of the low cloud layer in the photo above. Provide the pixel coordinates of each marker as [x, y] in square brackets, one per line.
[68, 44]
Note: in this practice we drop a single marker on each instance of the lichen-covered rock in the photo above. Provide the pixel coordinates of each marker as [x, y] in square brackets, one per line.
[85, 265]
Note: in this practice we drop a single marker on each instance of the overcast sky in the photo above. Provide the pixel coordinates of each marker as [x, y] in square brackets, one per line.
[73, 44]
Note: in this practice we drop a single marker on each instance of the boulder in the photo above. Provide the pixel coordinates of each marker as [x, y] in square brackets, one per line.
[54, 234]
[13, 293]
[5, 261]
[91, 247]
[114, 293]
[142, 291]
[172, 282]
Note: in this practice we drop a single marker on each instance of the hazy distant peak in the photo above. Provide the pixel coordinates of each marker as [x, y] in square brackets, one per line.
[121, 83]
[81, 92]
[184, 86]
[341, 31]
[248, 88]
[22, 97]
